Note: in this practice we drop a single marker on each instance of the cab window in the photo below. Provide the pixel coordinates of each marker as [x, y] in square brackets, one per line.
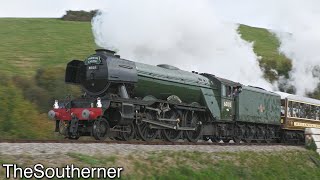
[223, 89]
[229, 91]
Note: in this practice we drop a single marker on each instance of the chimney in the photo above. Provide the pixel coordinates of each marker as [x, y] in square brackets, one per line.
[105, 51]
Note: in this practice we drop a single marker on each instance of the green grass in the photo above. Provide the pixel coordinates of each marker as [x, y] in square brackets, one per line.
[241, 165]
[92, 160]
[28, 44]
[193, 165]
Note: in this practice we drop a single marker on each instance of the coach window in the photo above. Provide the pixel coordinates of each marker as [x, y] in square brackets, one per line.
[302, 110]
[289, 109]
[318, 113]
[312, 112]
[299, 112]
[295, 109]
[307, 111]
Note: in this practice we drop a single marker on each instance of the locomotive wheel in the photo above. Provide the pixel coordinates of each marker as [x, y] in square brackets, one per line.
[283, 137]
[238, 136]
[226, 140]
[76, 137]
[127, 136]
[261, 133]
[118, 138]
[172, 134]
[236, 139]
[206, 138]
[250, 131]
[248, 140]
[100, 129]
[268, 136]
[215, 139]
[301, 139]
[192, 120]
[63, 129]
[144, 131]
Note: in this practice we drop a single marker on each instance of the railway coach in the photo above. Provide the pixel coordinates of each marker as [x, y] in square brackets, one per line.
[298, 113]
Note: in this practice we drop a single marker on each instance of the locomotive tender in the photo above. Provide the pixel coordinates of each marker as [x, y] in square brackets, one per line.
[125, 99]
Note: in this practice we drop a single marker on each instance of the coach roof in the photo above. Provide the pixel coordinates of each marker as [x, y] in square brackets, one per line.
[298, 98]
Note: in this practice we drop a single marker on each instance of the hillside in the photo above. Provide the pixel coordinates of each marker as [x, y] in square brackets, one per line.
[34, 53]
[266, 46]
[28, 44]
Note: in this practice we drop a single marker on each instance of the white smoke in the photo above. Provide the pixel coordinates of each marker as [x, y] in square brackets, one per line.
[184, 33]
[302, 45]
[297, 25]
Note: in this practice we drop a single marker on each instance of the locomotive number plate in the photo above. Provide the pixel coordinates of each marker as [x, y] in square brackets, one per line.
[227, 104]
[92, 67]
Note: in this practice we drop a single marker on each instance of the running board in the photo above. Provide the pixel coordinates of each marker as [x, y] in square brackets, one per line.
[186, 128]
[170, 120]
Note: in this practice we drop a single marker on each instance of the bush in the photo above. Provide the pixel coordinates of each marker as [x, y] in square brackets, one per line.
[4, 79]
[52, 81]
[79, 15]
[311, 145]
[315, 94]
[24, 102]
[47, 85]
[19, 118]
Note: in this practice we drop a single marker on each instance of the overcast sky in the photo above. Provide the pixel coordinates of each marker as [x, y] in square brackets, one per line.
[260, 13]
[230, 10]
[45, 8]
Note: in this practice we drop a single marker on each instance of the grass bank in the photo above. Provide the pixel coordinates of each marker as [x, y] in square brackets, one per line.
[191, 165]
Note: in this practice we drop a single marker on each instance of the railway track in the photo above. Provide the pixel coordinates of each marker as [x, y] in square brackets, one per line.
[136, 142]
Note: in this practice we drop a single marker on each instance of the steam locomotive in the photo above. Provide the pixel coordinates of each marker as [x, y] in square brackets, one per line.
[124, 100]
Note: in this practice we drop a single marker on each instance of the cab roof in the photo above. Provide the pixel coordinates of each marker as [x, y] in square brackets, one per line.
[221, 80]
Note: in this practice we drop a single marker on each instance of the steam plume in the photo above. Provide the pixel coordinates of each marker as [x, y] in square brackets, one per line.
[184, 33]
[295, 23]
[302, 44]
